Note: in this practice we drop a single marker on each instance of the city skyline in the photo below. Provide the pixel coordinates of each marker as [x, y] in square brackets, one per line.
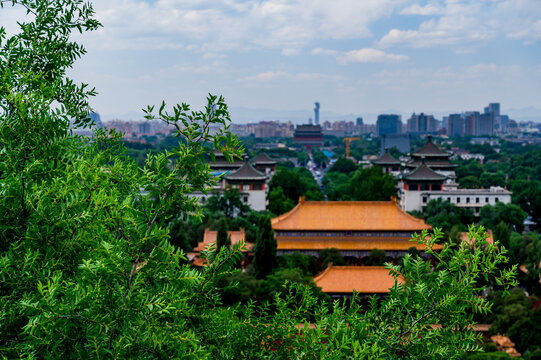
[357, 58]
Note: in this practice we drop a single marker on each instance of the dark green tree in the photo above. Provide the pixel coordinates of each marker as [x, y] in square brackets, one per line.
[469, 182]
[377, 257]
[343, 165]
[331, 255]
[371, 184]
[229, 202]
[511, 214]
[265, 249]
[278, 202]
[222, 237]
[444, 215]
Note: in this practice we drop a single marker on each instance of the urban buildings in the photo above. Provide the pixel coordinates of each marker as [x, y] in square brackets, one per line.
[388, 124]
[422, 124]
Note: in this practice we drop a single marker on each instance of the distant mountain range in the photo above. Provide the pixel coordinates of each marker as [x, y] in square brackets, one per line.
[243, 115]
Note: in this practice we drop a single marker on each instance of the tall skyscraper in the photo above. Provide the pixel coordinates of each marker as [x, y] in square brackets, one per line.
[359, 121]
[455, 125]
[316, 113]
[485, 125]
[422, 123]
[388, 124]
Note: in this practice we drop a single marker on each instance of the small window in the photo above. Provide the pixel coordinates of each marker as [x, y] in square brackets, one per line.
[486, 200]
[477, 200]
[425, 199]
[497, 199]
[458, 200]
[245, 198]
[467, 200]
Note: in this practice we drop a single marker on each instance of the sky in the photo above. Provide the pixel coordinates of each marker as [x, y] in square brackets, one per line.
[273, 59]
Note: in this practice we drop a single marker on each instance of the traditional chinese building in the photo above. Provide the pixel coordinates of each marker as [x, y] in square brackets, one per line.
[341, 281]
[209, 238]
[388, 164]
[353, 227]
[308, 135]
[413, 187]
[242, 175]
[263, 163]
[251, 184]
[435, 158]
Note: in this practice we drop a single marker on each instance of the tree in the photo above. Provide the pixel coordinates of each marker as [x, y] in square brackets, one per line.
[469, 182]
[343, 165]
[331, 255]
[86, 265]
[223, 240]
[377, 257]
[445, 215]
[265, 249]
[511, 214]
[229, 203]
[278, 203]
[372, 184]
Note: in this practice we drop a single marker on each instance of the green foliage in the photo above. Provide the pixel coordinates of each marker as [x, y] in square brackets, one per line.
[511, 214]
[470, 182]
[319, 157]
[527, 195]
[229, 202]
[368, 184]
[265, 249]
[377, 257]
[343, 165]
[222, 237]
[515, 316]
[330, 255]
[278, 202]
[288, 185]
[445, 215]
[87, 270]
[306, 263]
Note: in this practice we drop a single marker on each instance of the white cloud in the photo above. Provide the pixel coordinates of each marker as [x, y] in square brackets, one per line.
[225, 25]
[290, 52]
[320, 51]
[466, 23]
[284, 75]
[416, 9]
[369, 55]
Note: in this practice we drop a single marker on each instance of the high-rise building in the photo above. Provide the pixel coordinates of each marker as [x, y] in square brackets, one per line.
[485, 125]
[471, 118]
[316, 113]
[359, 121]
[455, 125]
[388, 124]
[422, 124]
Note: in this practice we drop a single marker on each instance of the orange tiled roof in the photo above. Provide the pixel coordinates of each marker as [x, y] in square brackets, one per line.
[291, 243]
[348, 215]
[363, 279]
[210, 238]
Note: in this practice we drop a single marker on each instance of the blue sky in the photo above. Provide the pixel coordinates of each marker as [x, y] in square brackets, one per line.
[358, 57]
